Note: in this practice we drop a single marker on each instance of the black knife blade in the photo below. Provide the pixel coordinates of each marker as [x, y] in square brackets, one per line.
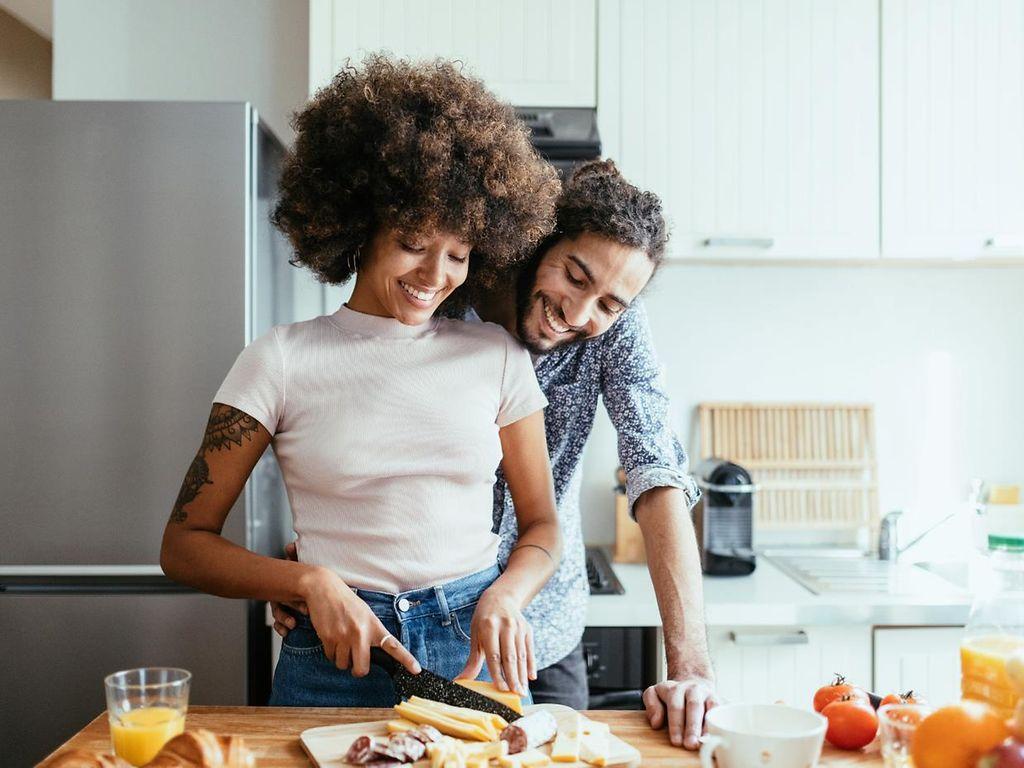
[430, 685]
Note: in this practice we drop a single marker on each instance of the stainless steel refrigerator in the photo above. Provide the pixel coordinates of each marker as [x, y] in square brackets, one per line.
[136, 261]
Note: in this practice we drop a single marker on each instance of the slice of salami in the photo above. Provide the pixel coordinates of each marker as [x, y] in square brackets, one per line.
[428, 734]
[401, 747]
[361, 752]
[530, 732]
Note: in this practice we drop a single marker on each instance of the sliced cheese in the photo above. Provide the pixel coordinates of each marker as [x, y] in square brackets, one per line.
[531, 758]
[484, 720]
[510, 699]
[566, 748]
[443, 723]
[474, 761]
[489, 750]
[400, 726]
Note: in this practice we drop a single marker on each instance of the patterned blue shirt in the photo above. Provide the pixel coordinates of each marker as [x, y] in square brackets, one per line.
[620, 366]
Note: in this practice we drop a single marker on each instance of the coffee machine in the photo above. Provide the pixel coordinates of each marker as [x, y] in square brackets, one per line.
[724, 518]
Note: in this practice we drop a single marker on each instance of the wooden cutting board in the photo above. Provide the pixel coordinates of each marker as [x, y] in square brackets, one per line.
[327, 745]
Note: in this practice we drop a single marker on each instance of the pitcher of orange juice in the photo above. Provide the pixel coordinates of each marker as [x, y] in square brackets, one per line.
[995, 629]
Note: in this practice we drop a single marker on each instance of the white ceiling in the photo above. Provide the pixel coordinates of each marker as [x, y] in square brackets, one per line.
[37, 14]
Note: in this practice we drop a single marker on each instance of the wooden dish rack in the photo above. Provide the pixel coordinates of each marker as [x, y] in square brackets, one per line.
[814, 463]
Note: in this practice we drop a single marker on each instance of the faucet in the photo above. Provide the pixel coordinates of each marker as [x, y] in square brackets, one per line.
[888, 532]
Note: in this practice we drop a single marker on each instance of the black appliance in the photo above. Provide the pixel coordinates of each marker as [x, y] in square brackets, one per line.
[602, 578]
[724, 518]
[564, 136]
[621, 664]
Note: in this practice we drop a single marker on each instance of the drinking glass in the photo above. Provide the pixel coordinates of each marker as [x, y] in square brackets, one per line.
[146, 708]
[896, 724]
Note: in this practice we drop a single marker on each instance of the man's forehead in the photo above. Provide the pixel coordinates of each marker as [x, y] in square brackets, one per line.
[615, 267]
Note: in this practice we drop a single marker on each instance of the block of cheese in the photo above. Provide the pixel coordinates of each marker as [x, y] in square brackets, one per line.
[509, 698]
[566, 748]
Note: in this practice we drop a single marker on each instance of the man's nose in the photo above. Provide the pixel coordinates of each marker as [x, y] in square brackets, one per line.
[577, 312]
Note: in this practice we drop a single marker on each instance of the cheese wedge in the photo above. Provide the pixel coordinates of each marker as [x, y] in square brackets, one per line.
[566, 748]
[509, 698]
[531, 758]
[594, 743]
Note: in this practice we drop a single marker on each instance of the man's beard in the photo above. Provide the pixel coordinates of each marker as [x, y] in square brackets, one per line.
[526, 299]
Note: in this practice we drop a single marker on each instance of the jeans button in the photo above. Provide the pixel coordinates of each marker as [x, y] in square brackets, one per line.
[403, 605]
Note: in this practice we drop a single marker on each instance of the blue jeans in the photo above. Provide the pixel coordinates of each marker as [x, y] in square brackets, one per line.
[434, 627]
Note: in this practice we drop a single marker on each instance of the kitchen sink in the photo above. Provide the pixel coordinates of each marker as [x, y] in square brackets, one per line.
[956, 573]
[852, 571]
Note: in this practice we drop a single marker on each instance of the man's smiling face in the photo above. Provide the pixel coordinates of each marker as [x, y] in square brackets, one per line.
[578, 289]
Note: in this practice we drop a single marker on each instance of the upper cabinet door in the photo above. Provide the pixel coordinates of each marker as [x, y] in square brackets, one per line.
[538, 53]
[756, 122]
[953, 128]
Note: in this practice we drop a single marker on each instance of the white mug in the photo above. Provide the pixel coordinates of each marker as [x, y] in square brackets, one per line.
[762, 735]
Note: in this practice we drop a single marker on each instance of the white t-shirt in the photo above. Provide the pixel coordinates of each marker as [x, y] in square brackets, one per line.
[387, 438]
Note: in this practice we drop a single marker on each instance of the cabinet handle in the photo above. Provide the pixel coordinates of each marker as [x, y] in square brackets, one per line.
[777, 638]
[1003, 243]
[739, 242]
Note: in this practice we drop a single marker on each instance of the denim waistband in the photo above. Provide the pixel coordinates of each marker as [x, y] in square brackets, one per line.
[428, 601]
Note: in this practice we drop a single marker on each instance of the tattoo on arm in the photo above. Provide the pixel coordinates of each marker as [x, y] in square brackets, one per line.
[227, 425]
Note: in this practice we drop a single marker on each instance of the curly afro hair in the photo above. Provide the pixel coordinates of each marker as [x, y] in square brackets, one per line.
[420, 148]
[598, 199]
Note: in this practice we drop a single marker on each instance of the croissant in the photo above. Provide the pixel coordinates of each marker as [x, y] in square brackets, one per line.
[191, 749]
[84, 758]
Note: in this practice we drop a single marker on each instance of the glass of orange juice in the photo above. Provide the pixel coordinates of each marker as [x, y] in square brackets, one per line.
[146, 708]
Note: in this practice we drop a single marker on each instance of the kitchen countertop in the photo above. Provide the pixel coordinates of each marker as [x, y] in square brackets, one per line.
[272, 733]
[769, 597]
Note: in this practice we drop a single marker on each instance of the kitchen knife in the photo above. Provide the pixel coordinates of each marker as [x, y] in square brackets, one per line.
[430, 685]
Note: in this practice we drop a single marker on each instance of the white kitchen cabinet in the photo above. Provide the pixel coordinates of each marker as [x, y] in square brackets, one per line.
[952, 122]
[757, 123]
[925, 659]
[530, 52]
[765, 665]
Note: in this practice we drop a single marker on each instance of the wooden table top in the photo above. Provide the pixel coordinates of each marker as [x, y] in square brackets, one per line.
[272, 733]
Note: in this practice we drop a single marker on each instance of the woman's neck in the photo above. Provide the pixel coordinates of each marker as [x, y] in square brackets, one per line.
[498, 305]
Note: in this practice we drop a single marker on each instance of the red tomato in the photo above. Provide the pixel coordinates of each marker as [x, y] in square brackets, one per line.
[852, 723]
[901, 698]
[839, 688]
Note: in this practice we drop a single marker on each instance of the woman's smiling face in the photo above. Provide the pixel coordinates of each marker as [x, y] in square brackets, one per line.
[406, 277]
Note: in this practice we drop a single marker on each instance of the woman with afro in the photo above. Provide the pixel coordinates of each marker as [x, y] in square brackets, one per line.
[388, 421]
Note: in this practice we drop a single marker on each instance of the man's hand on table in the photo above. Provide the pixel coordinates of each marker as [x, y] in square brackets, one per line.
[681, 705]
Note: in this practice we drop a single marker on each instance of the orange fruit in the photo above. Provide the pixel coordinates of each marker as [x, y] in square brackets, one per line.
[957, 735]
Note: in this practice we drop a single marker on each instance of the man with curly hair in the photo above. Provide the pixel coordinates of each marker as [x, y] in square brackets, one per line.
[576, 308]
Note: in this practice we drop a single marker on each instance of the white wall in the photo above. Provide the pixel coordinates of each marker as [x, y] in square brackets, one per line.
[938, 350]
[216, 50]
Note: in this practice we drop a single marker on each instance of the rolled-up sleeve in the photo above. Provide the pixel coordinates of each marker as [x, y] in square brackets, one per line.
[634, 392]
